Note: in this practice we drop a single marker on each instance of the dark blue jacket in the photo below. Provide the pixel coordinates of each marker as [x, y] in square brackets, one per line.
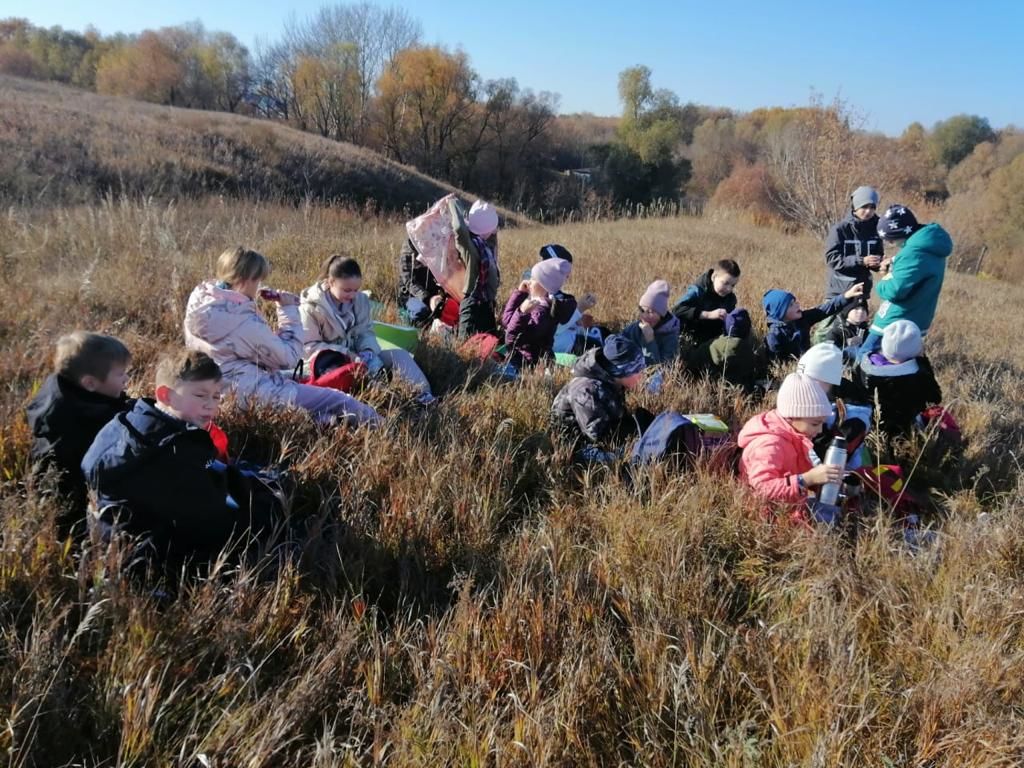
[152, 472]
[790, 340]
[701, 297]
[65, 419]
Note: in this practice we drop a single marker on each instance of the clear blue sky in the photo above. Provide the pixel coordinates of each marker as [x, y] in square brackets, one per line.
[894, 62]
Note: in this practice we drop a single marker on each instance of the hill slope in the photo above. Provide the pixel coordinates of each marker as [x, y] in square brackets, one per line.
[63, 145]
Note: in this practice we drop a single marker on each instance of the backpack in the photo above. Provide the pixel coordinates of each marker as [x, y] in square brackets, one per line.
[886, 482]
[670, 435]
[331, 369]
[947, 430]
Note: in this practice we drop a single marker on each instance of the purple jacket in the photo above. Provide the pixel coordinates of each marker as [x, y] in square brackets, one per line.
[529, 335]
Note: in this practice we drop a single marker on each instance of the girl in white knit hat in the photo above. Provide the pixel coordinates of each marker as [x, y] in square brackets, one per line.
[778, 459]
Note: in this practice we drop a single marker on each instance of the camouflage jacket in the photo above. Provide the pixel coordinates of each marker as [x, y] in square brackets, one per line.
[591, 406]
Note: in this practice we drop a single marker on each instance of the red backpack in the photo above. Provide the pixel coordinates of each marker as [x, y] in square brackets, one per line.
[331, 369]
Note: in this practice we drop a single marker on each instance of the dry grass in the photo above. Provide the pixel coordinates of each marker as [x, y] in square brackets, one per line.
[475, 602]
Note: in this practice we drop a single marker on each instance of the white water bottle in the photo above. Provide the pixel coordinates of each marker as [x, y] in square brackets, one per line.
[836, 455]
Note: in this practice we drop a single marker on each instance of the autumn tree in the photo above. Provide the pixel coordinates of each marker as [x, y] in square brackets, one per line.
[427, 103]
[952, 140]
[146, 69]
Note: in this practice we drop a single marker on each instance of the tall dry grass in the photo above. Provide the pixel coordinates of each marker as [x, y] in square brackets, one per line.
[470, 600]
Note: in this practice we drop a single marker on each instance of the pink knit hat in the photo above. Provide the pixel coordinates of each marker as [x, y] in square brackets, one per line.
[551, 273]
[655, 298]
[800, 397]
[482, 219]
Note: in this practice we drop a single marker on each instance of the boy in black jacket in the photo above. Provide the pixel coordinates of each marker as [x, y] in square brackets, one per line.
[703, 307]
[153, 470]
[85, 391]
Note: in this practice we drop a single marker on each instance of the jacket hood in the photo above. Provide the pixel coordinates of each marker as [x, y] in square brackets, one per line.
[215, 313]
[770, 423]
[932, 240]
[887, 369]
[669, 325]
[867, 228]
[592, 366]
[704, 281]
[775, 303]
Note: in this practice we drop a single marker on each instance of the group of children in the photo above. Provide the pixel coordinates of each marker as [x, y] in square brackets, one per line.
[157, 466]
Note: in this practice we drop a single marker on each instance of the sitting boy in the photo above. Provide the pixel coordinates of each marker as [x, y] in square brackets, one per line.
[789, 326]
[85, 391]
[152, 469]
[703, 307]
[591, 408]
[900, 378]
[730, 357]
[850, 330]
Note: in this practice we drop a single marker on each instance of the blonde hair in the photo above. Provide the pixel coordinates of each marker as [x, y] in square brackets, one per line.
[240, 264]
[82, 353]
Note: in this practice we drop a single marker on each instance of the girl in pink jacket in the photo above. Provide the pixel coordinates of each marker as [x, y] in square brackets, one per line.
[778, 459]
[223, 321]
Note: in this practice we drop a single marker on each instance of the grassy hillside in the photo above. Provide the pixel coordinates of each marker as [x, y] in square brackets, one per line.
[482, 604]
[63, 145]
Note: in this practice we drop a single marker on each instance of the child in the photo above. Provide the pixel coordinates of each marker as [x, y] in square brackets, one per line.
[789, 326]
[150, 467]
[529, 316]
[420, 297]
[85, 391]
[854, 250]
[731, 357]
[777, 450]
[910, 290]
[656, 331]
[850, 330]
[477, 241]
[336, 315]
[575, 332]
[591, 408]
[223, 321]
[823, 363]
[703, 307]
[900, 378]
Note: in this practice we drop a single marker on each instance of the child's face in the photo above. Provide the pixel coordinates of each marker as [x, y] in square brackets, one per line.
[825, 386]
[808, 427]
[631, 381]
[648, 316]
[112, 386]
[537, 290]
[857, 316]
[344, 289]
[793, 312]
[865, 212]
[197, 402]
[723, 283]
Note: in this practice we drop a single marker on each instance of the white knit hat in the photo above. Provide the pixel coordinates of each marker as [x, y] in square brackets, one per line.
[800, 397]
[902, 341]
[823, 362]
[482, 219]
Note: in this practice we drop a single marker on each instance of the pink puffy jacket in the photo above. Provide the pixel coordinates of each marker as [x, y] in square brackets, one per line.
[773, 455]
[228, 326]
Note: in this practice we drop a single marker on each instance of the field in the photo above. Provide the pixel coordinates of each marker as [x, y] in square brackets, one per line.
[480, 603]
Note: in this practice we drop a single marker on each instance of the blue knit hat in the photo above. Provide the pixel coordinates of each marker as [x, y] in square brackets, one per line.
[897, 223]
[624, 357]
[776, 302]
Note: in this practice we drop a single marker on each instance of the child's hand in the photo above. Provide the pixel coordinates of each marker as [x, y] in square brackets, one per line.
[588, 301]
[525, 286]
[715, 314]
[857, 290]
[886, 264]
[823, 473]
[648, 331]
[872, 262]
[527, 305]
[287, 299]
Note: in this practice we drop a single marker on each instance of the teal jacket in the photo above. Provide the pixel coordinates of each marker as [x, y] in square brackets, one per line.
[911, 289]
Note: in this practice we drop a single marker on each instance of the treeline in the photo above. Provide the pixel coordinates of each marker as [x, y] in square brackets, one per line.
[359, 73]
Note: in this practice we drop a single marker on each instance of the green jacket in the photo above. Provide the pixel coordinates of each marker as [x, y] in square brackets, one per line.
[911, 289]
[727, 357]
[471, 257]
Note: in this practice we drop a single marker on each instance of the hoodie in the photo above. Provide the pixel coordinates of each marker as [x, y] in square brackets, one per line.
[774, 454]
[848, 243]
[228, 326]
[664, 347]
[701, 297]
[592, 405]
[911, 289]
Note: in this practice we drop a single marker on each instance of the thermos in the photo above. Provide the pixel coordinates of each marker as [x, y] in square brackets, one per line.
[836, 455]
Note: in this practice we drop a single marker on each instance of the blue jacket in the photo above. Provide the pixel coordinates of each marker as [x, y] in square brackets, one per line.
[152, 472]
[786, 340]
[911, 289]
[665, 346]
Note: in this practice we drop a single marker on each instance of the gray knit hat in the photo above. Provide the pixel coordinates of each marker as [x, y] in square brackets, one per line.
[864, 196]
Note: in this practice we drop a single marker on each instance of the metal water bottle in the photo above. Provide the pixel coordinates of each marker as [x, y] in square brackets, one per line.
[835, 455]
